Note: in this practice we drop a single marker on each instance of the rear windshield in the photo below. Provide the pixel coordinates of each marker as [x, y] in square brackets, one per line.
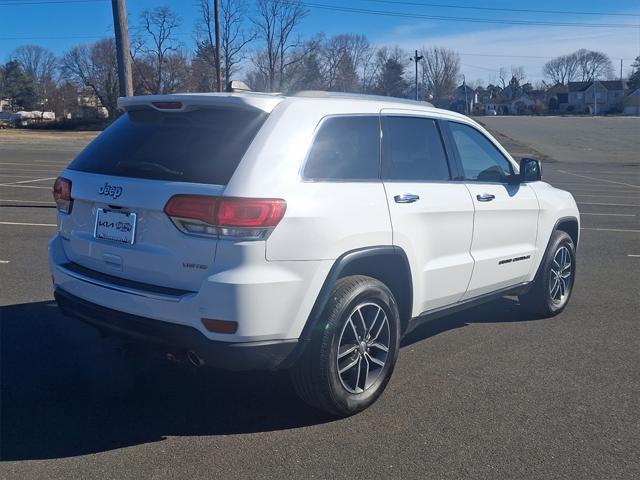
[200, 146]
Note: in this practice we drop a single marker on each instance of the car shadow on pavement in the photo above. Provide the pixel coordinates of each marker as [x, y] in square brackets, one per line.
[66, 391]
[502, 310]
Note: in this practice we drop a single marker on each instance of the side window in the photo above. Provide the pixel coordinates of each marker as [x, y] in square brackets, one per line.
[412, 150]
[480, 158]
[345, 148]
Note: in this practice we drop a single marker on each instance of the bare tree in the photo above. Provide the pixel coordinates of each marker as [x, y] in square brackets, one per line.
[95, 67]
[159, 25]
[440, 71]
[36, 61]
[519, 74]
[234, 37]
[504, 77]
[593, 65]
[275, 22]
[40, 65]
[342, 57]
[562, 69]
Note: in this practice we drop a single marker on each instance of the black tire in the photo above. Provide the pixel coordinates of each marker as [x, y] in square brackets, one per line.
[539, 299]
[315, 376]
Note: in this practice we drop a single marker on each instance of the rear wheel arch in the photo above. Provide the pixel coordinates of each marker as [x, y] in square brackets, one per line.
[387, 263]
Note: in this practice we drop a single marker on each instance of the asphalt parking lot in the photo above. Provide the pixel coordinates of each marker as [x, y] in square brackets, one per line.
[489, 393]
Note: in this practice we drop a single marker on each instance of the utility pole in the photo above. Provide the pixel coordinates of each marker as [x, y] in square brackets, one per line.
[122, 47]
[216, 19]
[620, 69]
[466, 99]
[416, 58]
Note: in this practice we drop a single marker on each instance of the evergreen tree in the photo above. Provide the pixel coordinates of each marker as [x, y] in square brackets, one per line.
[391, 81]
[634, 79]
[17, 87]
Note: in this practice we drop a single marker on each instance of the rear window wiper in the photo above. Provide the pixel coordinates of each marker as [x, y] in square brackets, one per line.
[147, 167]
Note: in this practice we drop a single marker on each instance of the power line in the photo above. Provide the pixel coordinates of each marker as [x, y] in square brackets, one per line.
[393, 2]
[387, 13]
[46, 2]
[498, 9]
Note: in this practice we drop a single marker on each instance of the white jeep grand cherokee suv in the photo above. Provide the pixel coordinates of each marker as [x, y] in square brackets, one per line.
[309, 233]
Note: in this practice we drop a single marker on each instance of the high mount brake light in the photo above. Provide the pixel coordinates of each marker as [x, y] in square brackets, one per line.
[167, 105]
[62, 194]
[227, 217]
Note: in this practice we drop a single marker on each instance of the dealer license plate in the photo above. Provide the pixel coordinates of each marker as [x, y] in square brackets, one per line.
[115, 226]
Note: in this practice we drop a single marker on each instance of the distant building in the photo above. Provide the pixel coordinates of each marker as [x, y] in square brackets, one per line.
[596, 97]
[631, 103]
[464, 99]
[89, 107]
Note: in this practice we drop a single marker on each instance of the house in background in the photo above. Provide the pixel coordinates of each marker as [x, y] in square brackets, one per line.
[464, 99]
[631, 103]
[89, 107]
[596, 97]
[523, 105]
[557, 98]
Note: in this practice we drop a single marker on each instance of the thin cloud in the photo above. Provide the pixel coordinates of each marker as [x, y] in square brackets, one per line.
[520, 42]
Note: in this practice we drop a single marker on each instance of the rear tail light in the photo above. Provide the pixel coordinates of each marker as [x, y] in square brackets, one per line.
[62, 194]
[239, 218]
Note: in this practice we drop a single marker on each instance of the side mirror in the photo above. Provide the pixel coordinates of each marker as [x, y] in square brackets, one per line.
[530, 170]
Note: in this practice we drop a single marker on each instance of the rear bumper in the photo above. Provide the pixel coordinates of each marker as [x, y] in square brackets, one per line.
[238, 356]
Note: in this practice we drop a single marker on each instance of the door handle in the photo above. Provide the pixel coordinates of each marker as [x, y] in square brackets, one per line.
[485, 197]
[406, 198]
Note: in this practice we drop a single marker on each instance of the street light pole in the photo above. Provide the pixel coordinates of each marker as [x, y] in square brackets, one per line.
[416, 58]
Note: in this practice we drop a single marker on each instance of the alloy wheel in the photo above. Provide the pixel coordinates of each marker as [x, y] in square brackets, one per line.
[560, 276]
[363, 347]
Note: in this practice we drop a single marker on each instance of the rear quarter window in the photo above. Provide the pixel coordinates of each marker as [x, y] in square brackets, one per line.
[199, 146]
[345, 148]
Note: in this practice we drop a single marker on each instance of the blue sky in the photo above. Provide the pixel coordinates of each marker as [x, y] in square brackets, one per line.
[484, 47]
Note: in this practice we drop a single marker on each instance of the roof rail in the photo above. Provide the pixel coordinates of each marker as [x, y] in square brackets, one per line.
[358, 96]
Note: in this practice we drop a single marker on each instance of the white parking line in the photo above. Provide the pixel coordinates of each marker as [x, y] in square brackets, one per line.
[609, 204]
[22, 186]
[599, 179]
[18, 176]
[612, 173]
[34, 170]
[610, 229]
[593, 186]
[603, 214]
[31, 181]
[24, 201]
[34, 164]
[595, 191]
[634, 256]
[30, 224]
[603, 196]
[4, 261]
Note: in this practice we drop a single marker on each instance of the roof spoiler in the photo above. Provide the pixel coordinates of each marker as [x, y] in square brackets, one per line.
[181, 102]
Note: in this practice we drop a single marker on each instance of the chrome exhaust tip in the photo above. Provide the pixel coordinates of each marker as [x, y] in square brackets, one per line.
[194, 359]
